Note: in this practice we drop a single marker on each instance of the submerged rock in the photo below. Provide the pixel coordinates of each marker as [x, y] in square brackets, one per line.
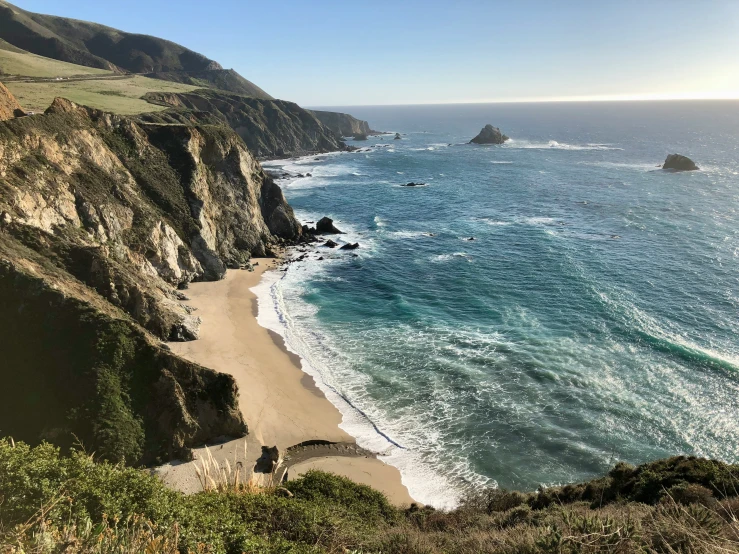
[489, 135]
[325, 226]
[414, 185]
[397, 136]
[678, 162]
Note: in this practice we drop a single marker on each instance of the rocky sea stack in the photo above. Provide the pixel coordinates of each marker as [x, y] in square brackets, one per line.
[489, 135]
[678, 162]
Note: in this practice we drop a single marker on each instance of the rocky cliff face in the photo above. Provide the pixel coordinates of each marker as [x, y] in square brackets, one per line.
[270, 128]
[102, 221]
[342, 124]
[9, 106]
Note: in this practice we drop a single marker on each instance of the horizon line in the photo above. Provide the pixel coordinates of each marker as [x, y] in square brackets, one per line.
[555, 100]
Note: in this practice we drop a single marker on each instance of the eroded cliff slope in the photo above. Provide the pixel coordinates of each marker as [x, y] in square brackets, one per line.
[270, 128]
[343, 124]
[102, 221]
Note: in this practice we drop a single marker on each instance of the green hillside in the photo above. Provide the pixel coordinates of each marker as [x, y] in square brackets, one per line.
[16, 62]
[95, 45]
[121, 95]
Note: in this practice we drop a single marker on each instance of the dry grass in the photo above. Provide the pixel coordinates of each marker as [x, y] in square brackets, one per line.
[130, 536]
[227, 477]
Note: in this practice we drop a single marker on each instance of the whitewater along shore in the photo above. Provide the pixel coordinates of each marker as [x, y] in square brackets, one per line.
[281, 404]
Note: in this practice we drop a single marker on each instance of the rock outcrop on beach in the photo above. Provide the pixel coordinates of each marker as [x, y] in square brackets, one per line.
[270, 128]
[677, 162]
[342, 124]
[489, 135]
[103, 219]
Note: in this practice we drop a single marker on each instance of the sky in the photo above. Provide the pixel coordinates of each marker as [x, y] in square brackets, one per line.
[343, 53]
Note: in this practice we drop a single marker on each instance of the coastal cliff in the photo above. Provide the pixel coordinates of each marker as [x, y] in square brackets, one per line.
[103, 220]
[344, 125]
[270, 128]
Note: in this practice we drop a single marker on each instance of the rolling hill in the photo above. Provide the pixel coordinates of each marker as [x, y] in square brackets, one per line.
[104, 48]
[95, 45]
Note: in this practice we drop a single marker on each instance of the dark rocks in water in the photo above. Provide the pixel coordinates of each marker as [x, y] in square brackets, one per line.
[349, 246]
[325, 226]
[677, 162]
[397, 136]
[267, 462]
[360, 136]
[330, 244]
[471, 238]
[309, 175]
[414, 185]
[489, 135]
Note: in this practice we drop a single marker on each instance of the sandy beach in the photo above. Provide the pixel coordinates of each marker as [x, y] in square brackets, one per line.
[281, 404]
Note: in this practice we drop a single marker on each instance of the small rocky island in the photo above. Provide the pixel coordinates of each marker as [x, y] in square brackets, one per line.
[489, 135]
[677, 162]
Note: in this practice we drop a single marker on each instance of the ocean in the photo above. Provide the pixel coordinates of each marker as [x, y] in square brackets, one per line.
[594, 318]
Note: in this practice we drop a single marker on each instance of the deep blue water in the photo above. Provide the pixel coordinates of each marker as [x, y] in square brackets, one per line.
[594, 318]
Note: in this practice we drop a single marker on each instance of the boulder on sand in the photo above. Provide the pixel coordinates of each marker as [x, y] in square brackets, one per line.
[325, 226]
[489, 135]
[677, 162]
[267, 462]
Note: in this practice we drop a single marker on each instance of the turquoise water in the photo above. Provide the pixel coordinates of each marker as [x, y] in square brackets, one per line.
[594, 318]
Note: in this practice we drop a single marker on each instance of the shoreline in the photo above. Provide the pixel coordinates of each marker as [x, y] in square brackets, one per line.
[282, 404]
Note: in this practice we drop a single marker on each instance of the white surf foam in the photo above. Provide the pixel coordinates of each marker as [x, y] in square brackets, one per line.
[423, 482]
[554, 145]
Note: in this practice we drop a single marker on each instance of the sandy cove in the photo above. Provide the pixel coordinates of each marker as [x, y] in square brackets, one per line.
[281, 404]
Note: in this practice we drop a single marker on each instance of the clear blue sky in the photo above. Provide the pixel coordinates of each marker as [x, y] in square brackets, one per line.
[434, 51]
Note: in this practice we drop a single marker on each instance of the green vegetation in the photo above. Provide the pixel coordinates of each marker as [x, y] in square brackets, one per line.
[51, 502]
[25, 64]
[121, 95]
[111, 389]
